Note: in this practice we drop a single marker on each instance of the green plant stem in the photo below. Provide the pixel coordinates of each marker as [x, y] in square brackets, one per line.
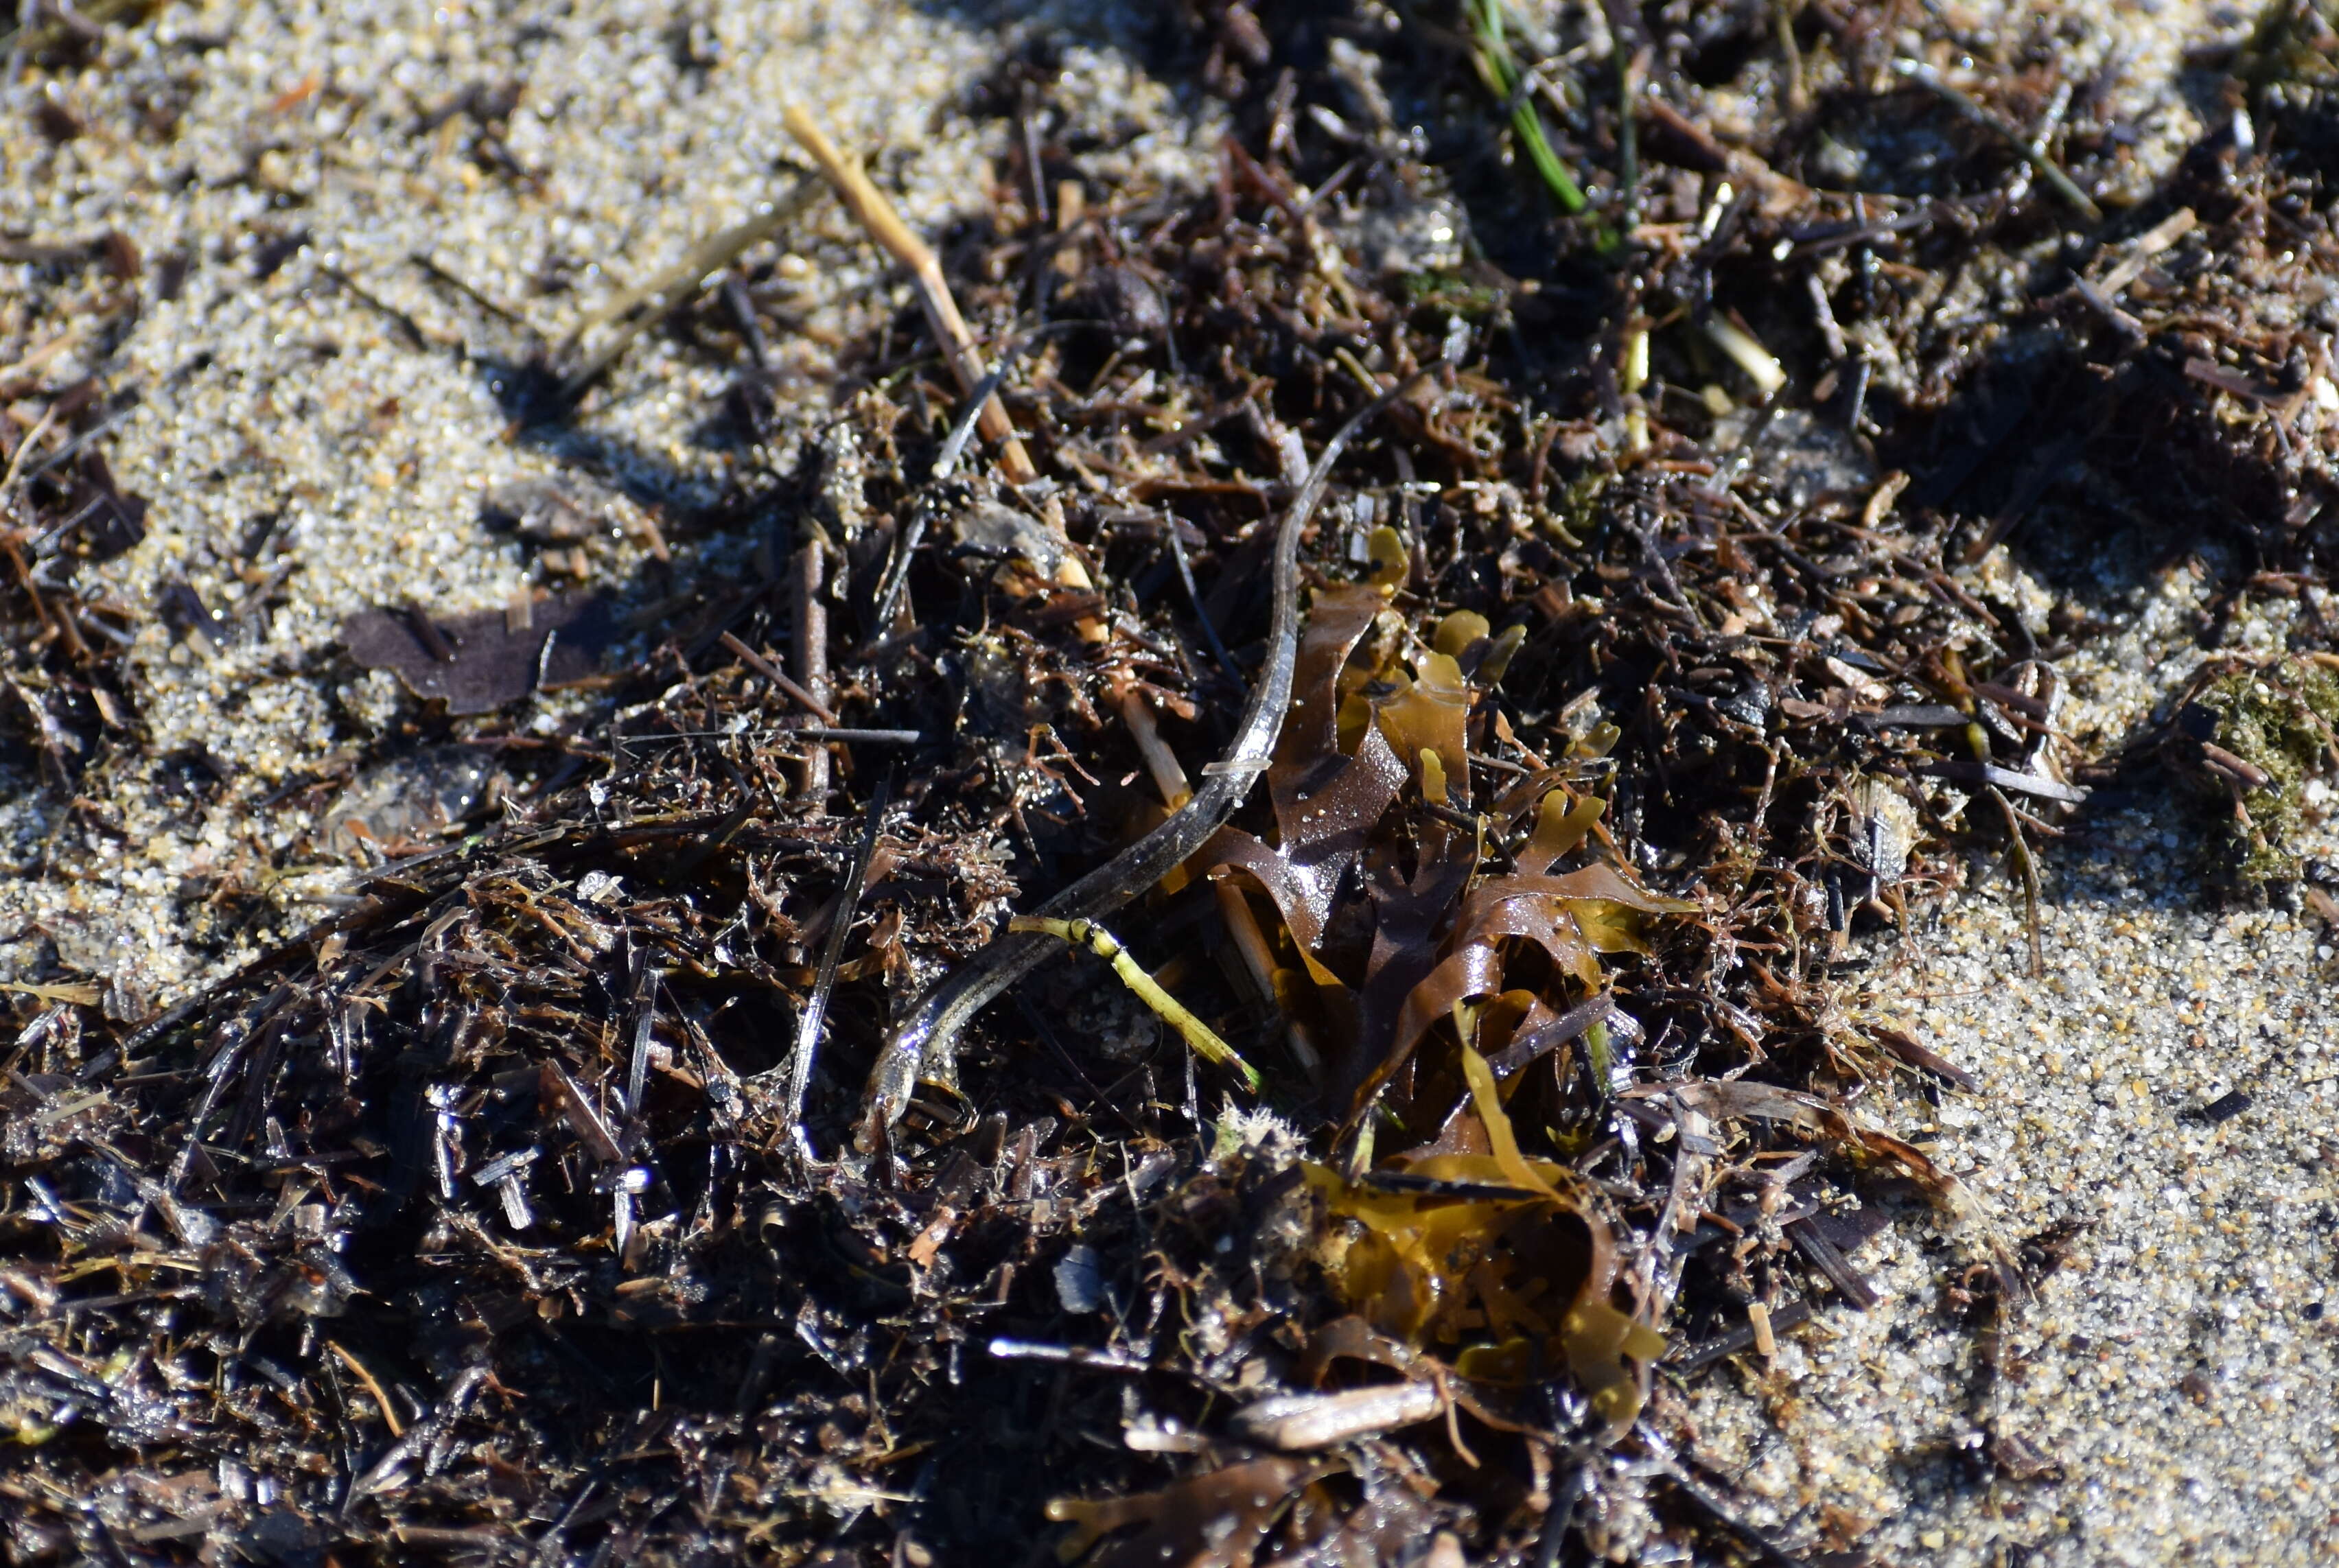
[1502, 75]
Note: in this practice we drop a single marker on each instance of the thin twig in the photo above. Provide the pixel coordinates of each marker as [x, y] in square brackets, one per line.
[977, 401]
[645, 1001]
[780, 678]
[25, 447]
[357, 1370]
[1194, 598]
[1721, 1512]
[2045, 167]
[637, 308]
[897, 579]
[2030, 867]
[124, 406]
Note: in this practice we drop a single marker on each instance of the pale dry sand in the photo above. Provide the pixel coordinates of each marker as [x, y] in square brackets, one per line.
[2182, 1367]
[300, 397]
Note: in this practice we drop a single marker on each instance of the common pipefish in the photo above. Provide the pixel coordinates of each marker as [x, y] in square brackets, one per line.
[924, 1041]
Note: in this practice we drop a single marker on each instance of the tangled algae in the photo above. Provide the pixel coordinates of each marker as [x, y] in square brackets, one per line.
[2251, 736]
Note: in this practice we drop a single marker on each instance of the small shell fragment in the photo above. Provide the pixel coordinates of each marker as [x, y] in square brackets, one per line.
[988, 532]
[1296, 1423]
[412, 797]
[1887, 826]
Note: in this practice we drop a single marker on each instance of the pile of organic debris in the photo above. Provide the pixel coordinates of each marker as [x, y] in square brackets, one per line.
[595, 1187]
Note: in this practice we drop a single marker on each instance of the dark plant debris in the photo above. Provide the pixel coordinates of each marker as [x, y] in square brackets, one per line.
[475, 664]
[66, 702]
[515, 1212]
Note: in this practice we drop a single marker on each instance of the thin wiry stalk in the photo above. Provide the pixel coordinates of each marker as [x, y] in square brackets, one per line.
[1500, 71]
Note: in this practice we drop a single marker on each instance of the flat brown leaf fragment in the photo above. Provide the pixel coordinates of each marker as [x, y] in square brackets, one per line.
[481, 662]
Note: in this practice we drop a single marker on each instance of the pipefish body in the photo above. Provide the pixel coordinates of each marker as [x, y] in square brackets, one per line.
[927, 1037]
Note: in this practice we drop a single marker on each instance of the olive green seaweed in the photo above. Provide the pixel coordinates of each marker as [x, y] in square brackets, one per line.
[2278, 719]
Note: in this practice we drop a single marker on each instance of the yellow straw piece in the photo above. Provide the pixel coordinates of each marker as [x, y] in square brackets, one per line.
[1173, 1012]
[884, 226]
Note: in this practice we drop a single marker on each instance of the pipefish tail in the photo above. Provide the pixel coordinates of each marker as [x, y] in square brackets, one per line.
[924, 1042]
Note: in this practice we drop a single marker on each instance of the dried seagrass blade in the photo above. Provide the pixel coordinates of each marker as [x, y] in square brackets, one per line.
[876, 214]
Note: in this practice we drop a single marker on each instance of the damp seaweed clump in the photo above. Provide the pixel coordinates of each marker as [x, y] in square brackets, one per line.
[1642, 690]
[2251, 736]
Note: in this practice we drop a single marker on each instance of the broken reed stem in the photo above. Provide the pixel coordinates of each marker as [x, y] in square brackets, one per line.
[2148, 245]
[2324, 904]
[637, 308]
[25, 447]
[1799, 93]
[41, 356]
[1169, 774]
[811, 660]
[1746, 351]
[1072, 573]
[1758, 1318]
[876, 215]
[1258, 960]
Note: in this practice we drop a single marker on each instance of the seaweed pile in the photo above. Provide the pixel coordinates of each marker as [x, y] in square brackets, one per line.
[531, 1206]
